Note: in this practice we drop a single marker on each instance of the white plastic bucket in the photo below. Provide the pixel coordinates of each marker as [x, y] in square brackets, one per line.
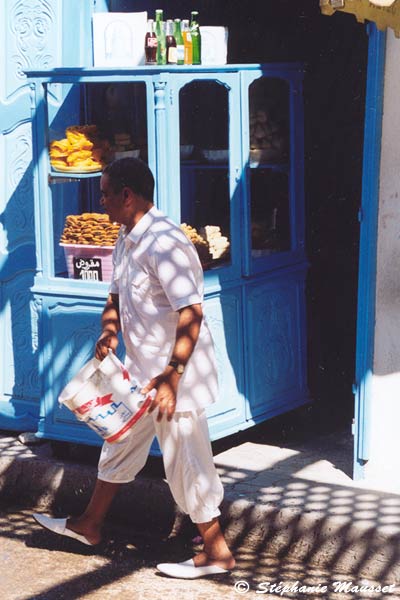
[106, 398]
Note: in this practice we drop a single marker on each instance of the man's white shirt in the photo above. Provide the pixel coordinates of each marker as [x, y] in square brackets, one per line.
[156, 272]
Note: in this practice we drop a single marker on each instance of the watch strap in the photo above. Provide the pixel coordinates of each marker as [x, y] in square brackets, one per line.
[179, 367]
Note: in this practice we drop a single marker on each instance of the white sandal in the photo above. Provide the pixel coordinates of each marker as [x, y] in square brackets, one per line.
[60, 526]
[188, 570]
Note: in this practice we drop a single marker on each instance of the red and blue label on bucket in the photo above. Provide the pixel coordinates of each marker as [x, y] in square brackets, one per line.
[105, 396]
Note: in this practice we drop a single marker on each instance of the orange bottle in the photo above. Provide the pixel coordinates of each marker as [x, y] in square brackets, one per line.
[187, 42]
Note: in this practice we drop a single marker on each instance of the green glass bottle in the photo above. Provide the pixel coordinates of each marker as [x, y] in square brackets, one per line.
[180, 48]
[196, 37]
[160, 33]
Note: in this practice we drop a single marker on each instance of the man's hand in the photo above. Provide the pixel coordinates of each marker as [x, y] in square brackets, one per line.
[166, 385]
[108, 340]
[110, 325]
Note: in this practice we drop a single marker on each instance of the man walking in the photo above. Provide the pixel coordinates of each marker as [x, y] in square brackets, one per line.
[155, 299]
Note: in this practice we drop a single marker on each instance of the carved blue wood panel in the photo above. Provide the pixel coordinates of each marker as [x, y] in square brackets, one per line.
[276, 344]
[28, 39]
[70, 327]
[34, 34]
[224, 316]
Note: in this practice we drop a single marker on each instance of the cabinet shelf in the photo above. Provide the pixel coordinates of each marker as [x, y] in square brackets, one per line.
[282, 167]
[61, 177]
[203, 165]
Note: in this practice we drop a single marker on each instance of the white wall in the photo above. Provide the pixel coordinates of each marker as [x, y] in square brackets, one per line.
[384, 463]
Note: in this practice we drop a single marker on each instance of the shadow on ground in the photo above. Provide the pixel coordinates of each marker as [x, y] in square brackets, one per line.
[282, 519]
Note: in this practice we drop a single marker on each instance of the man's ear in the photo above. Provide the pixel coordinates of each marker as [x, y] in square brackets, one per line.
[125, 194]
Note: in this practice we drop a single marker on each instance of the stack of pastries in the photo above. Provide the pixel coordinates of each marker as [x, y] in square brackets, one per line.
[94, 229]
[82, 148]
[209, 242]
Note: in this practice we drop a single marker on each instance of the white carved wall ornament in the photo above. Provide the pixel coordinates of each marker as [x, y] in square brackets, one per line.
[31, 22]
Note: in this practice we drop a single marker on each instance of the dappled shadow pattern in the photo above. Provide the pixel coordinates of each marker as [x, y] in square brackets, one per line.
[285, 517]
[123, 566]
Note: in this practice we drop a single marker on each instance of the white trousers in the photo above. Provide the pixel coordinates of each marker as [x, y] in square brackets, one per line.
[187, 456]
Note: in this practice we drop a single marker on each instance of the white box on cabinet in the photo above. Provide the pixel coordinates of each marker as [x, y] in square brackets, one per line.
[118, 39]
[214, 45]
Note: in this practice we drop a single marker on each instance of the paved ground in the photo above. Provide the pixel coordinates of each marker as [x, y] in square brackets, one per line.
[291, 513]
[37, 565]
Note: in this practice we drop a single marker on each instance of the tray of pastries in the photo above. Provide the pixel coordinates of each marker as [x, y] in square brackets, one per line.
[81, 151]
[93, 229]
[209, 242]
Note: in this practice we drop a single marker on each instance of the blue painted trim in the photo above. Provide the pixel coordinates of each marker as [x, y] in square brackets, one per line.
[161, 175]
[19, 415]
[74, 74]
[368, 247]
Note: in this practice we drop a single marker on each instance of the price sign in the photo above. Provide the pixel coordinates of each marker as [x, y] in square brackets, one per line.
[88, 269]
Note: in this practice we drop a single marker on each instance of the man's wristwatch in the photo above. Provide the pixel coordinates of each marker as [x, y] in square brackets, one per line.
[179, 367]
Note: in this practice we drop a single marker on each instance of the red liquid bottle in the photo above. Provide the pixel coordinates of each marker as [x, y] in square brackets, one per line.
[170, 42]
[150, 44]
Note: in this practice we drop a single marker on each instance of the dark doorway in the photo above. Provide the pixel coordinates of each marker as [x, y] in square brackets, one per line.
[334, 51]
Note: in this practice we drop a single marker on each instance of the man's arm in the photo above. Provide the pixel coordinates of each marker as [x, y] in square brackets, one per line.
[187, 334]
[110, 324]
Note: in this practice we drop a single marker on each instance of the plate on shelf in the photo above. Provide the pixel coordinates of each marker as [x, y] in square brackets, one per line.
[258, 156]
[88, 169]
[186, 151]
[127, 154]
[216, 156]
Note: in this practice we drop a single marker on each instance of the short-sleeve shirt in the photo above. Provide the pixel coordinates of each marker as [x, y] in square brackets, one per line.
[156, 272]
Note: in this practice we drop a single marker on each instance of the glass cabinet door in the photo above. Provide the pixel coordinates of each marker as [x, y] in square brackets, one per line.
[269, 120]
[204, 167]
[111, 123]
[120, 112]
[272, 184]
[206, 132]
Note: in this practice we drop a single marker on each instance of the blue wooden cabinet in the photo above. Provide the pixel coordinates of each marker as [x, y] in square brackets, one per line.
[226, 147]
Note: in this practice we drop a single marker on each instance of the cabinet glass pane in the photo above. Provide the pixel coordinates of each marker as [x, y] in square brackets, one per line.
[120, 112]
[269, 166]
[270, 223]
[117, 116]
[204, 169]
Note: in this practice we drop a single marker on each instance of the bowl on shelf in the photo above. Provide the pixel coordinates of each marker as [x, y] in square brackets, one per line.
[186, 151]
[127, 154]
[260, 155]
[216, 156]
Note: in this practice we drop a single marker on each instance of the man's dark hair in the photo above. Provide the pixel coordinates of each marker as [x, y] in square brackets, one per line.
[132, 173]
